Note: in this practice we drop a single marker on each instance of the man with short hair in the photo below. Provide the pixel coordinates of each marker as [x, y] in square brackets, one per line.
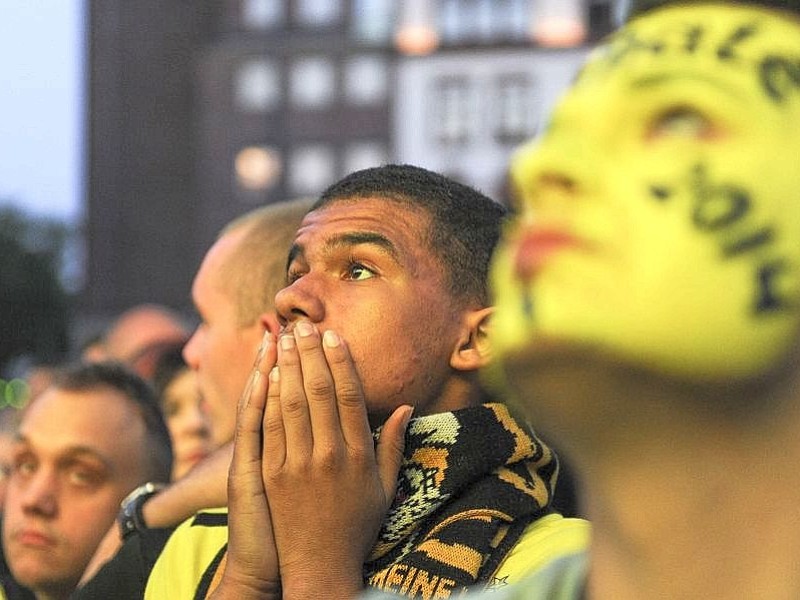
[385, 312]
[93, 436]
[137, 332]
[233, 292]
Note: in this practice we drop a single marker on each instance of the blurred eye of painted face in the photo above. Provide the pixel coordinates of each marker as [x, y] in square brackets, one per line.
[659, 213]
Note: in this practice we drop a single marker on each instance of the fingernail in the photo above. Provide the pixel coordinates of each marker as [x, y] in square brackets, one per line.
[287, 342]
[256, 377]
[304, 328]
[409, 414]
[275, 374]
[262, 349]
[330, 339]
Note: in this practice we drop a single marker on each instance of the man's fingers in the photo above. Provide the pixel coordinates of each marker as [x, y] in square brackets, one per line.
[350, 402]
[265, 358]
[389, 452]
[274, 433]
[320, 393]
[293, 403]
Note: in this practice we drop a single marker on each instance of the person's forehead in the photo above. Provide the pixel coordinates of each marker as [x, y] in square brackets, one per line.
[735, 41]
[64, 419]
[400, 223]
[208, 286]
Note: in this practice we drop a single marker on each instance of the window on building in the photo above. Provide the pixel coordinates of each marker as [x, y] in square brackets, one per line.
[484, 21]
[372, 20]
[312, 168]
[318, 13]
[366, 79]
[363, 155]
[257, 168]
[262, 14]
[312, 82]
[257, 86]
[453, 111]
[516, 106]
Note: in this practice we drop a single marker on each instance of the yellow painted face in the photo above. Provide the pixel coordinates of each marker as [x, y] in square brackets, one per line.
[660, 211]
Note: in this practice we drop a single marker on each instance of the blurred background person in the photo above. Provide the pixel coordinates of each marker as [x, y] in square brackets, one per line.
[82, 446]
[179, 396]
[138, 335]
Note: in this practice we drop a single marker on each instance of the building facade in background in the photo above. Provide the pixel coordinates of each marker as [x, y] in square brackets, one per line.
[199, 111]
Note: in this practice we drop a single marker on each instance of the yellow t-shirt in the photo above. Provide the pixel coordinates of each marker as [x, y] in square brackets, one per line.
[200, 541]
[192, 548]
[544, 541]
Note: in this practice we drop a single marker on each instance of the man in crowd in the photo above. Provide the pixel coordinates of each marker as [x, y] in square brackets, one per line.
[234, 292]
[649, 303]
[136, 337]
[93, 436]
[385, 312]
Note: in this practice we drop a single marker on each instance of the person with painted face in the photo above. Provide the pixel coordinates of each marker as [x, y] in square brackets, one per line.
[648, 303]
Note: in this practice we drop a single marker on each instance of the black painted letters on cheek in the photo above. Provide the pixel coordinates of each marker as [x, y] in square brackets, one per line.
[715, 209]
[779, 77]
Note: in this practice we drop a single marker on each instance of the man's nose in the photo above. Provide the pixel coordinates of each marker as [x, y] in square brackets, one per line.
[190, 353]
[39, 494]
[301, 299]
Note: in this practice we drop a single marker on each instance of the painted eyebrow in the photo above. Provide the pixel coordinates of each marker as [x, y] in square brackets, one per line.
[347, 240]
[657, 79]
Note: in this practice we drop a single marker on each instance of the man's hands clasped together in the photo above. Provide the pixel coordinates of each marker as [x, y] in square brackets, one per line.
[308, 489]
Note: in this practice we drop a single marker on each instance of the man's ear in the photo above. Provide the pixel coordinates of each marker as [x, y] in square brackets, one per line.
[473, 350]
[269, 322]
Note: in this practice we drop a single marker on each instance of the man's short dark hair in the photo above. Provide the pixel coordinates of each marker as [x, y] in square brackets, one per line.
[465, 225]
[157, 453]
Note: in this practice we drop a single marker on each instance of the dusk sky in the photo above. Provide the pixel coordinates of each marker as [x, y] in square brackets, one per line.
[41, 113]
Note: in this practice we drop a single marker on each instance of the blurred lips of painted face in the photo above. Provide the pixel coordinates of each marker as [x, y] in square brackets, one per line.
[660, 211]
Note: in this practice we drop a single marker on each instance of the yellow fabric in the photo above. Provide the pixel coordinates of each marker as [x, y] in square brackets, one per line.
[544, 541]
[655, 203]
[189, 551]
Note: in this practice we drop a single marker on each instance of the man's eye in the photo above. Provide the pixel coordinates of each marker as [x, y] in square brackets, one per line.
[82, 477]
[25, 467]
[292, 275]
[682, 122]
[358, 272]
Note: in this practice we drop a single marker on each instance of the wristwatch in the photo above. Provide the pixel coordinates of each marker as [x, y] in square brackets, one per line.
[130, 516]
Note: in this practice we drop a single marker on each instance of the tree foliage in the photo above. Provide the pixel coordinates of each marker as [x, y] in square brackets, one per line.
[34, 306]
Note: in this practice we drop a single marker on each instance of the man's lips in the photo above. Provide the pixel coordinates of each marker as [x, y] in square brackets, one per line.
[537, 246]
[35, 538]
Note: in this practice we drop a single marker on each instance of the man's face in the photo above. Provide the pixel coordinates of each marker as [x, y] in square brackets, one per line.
[221, 350]
[659, 212]
[78, 454]
[364, 270]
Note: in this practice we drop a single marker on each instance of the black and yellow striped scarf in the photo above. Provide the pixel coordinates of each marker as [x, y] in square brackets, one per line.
[472, 480]
[470, 483]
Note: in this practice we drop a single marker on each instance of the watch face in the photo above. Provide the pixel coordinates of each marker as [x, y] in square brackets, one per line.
[130, 517]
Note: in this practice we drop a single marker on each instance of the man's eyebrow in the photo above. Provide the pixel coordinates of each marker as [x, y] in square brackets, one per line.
[352, 238]
[86, 452]
[72, 452]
